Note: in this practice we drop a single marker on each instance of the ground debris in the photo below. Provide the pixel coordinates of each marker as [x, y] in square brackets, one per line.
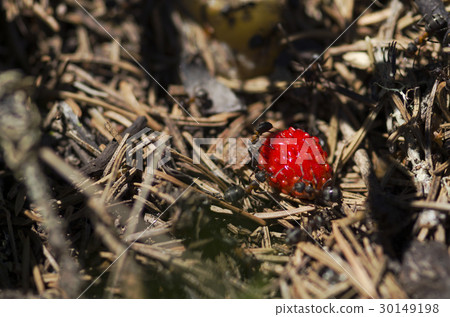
[130, 136]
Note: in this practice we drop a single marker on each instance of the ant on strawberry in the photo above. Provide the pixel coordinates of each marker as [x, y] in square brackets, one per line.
[261, 128]
[295, 163]
[308, 178]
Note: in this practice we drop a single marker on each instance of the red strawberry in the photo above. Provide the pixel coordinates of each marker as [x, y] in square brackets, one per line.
[295, 163]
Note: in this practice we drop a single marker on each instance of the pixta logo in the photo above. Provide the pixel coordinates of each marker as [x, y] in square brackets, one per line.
[308, 150]
[150, 145]
[154, 147]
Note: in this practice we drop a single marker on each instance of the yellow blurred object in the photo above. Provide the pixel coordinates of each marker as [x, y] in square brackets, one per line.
[246, 28]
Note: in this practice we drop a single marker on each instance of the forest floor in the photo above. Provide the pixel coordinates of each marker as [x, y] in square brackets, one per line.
[87, 212]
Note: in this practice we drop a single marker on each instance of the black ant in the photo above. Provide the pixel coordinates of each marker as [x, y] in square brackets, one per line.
[260, 176]
[331, 194]
[253, 149]
[233, 194]
[303, 233]
[437, 23]
[261, 128]
[295, 235]
[328, 193]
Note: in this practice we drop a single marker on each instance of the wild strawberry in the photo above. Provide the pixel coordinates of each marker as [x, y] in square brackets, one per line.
[295, 163]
